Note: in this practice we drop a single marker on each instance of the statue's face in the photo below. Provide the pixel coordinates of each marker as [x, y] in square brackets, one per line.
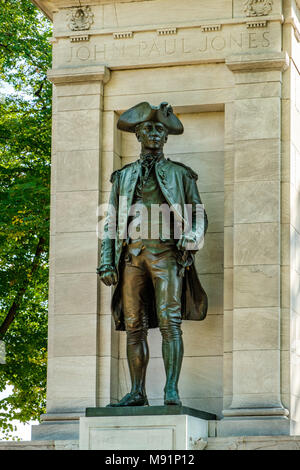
[152, 135]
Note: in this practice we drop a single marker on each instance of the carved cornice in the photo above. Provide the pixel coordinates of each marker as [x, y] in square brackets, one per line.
[83, 74]
[161, 29]
[278, 61]
[50, 6]
[46, 6]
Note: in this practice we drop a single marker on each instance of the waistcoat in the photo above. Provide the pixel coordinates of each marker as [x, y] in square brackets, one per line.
[147, 193]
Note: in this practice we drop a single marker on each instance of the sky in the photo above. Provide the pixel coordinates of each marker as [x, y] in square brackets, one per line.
[8, 90]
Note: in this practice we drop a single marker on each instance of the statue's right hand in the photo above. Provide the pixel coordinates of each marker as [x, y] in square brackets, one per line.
[109, 278]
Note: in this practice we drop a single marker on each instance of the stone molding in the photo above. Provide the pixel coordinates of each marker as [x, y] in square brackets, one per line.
[40, 445]
[261, 62]
[212, 443]
[254, 443]
[255, 412]
[62, 416]
[83, 74]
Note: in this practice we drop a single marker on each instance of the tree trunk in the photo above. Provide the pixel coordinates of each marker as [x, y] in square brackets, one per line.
[13, 310]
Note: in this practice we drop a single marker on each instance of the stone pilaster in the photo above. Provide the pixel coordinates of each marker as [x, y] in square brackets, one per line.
[74, 361]
[256, 358]
[108, 349]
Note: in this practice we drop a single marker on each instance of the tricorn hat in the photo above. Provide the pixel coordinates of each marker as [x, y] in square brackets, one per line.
[144, 111]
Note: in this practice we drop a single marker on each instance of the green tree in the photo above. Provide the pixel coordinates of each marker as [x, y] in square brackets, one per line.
[25, 133]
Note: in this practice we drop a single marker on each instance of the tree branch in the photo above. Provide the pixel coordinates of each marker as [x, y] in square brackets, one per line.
[13, 310]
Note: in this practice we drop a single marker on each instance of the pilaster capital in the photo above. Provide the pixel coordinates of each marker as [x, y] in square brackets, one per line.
[92, 73]
[277, 61]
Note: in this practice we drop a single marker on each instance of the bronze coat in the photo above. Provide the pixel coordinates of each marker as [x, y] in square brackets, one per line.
[178, 185]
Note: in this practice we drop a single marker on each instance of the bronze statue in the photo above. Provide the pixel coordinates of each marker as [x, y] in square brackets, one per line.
[155, 279]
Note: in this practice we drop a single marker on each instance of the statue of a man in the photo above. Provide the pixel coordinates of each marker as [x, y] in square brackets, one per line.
[155, 279]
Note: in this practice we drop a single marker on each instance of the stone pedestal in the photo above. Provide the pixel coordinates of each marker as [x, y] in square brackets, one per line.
[143, 428]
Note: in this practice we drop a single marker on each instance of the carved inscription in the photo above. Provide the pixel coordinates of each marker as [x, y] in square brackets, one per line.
[168, 47]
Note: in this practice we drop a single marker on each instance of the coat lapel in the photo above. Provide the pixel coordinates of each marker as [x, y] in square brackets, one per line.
[163, 177]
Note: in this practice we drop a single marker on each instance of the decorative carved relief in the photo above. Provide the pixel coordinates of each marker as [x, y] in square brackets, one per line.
[258, 7]
[207, 28]
[166, 31]
[80, 19]
[257, 24]
[80, 38]
[123, 35]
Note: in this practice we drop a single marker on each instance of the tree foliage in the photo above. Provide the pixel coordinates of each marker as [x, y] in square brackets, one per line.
[25, 132]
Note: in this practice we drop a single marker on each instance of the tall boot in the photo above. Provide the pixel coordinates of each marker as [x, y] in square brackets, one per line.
[137, 358]
[172, 351]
